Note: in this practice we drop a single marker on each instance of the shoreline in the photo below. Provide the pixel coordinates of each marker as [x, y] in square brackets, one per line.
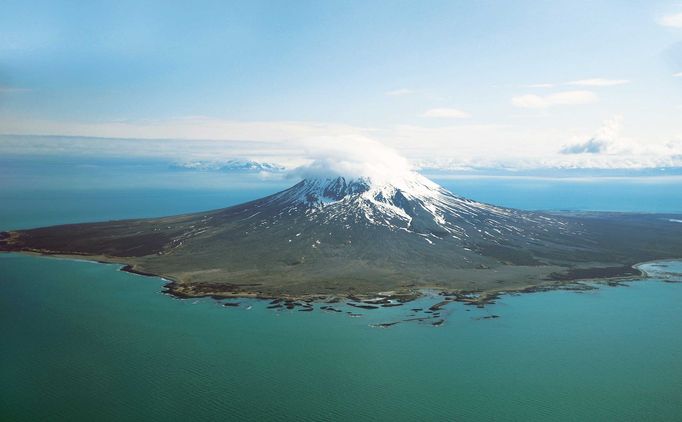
[479, 298]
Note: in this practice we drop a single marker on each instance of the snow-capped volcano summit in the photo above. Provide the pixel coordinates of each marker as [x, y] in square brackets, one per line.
[411, 203]
[331, 189]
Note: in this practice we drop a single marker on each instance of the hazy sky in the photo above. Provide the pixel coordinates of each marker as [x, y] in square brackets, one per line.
[515, 83]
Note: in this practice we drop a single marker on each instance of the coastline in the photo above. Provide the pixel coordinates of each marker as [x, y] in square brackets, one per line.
[663, 275]
[475, 297]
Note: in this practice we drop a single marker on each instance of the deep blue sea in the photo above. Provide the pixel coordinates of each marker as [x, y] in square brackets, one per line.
[84, 341]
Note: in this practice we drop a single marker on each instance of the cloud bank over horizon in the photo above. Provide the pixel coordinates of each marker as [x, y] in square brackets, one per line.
[362, 151]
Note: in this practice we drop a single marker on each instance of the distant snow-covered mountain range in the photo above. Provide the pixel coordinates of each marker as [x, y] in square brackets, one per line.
[233, 165]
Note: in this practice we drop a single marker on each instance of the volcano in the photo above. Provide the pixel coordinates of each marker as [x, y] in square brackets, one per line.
[335, 235]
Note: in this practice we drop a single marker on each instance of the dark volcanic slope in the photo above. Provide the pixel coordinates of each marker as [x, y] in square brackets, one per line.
[335, 235]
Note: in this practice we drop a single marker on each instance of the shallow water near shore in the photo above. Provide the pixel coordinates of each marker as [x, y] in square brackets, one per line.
[84, 341]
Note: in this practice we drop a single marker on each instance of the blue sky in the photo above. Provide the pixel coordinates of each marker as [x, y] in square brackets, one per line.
[575, 83]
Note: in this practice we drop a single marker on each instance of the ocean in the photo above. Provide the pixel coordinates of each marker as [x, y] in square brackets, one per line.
[83, 341]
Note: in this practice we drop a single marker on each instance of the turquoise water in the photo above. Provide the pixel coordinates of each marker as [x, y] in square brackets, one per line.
[84, 341]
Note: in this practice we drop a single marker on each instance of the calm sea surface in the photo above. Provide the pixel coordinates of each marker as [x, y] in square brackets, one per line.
[84, 341]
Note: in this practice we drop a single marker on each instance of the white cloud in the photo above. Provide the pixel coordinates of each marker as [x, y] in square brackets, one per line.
[582, 82]
[558, 98]
[605, 140]
[400, 92]
[539, 86]
[190, 127]
[293, 144]
[599, 82]
[446, 113]
[677, 75]
[673, 21]
[608, 148]
[351, 156]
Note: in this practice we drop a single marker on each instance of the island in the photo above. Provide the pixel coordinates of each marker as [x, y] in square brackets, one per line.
[358, 237]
